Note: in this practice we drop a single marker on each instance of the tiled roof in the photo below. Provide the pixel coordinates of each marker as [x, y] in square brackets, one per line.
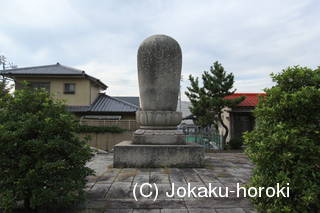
[130, 99]
[251, 100]
[52, 70]
[105, 103]
[77, 108]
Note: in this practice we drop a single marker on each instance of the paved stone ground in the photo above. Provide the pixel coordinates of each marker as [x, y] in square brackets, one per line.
[111, 190]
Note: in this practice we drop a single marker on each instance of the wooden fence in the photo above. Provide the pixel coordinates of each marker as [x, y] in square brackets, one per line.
[130, 125]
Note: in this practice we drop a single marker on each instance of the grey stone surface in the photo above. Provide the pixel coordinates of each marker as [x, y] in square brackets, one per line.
[234, 210]
[118, 211]
[157, 143]
[174, 211]
[158, 137]
[159, 178]
[86, 211]
[118, 192]
[159, 71]
[141, 178]
[250, 210]
[201, 210]
[158, 119]
[146, 211]
[127, 154]
[98, 191]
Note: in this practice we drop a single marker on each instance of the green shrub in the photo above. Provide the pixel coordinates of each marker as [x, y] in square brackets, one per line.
[42, 162]
[285, 145]
[99, 129]
[235, 143]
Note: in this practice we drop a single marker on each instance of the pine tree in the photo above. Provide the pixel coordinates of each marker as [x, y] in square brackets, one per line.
[208, 101]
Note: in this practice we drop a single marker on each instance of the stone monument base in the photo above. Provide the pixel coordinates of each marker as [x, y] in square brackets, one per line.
[127, 154]
[159, 137]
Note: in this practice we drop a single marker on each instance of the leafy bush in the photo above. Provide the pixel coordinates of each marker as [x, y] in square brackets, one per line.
[42, 162]
[285, 145]
[235, 143]
[99, 129]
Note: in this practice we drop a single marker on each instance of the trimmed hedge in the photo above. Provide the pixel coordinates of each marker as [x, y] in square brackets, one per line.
[42, 161]
[285, 145]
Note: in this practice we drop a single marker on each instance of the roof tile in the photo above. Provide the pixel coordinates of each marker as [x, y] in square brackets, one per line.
[251, 100]
[53, 69]
[105, 103]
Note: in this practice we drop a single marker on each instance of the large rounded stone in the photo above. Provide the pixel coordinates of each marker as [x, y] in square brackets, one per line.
[158, 119]
[159, 71]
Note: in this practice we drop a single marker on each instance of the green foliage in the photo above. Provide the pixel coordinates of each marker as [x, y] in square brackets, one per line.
[3, 87]
[285, 145]
[235, 143]
[42, 162]
[207, 102]
[99, 129]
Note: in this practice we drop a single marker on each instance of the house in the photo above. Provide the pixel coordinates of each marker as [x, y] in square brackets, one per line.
[239, 119]
[83, 94]
[72, 85]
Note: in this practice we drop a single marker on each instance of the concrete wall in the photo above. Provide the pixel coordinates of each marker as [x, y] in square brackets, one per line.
[85, 92]
[106, 141]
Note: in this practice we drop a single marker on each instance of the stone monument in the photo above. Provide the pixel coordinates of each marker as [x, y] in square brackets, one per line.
[158, 143]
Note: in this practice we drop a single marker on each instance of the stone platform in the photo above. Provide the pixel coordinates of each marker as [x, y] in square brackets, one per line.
[129, 155]
[111, 190]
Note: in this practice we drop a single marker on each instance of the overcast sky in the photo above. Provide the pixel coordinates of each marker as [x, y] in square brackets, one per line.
[250, 38]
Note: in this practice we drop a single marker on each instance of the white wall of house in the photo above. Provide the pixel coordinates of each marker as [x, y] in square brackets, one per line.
[226, 120]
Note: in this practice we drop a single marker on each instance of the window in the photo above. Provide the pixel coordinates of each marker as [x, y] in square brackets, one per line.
[40, 85]
[69, 88]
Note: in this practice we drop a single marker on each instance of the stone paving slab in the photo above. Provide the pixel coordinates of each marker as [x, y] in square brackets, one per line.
[234, 210]
[98, 191]
[119, 190]
[141, 178]
[146, 210]
[130, 204]
[202, 210]
[159, 178]
[111, 190]
[118, 211]
[191, 175]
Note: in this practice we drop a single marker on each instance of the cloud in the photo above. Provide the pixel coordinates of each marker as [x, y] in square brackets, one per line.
[120, 79]
[250, 38]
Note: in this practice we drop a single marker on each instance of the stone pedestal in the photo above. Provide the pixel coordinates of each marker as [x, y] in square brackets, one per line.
[158, 143]
[159, 137]
[127, 154]
[158, 119]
